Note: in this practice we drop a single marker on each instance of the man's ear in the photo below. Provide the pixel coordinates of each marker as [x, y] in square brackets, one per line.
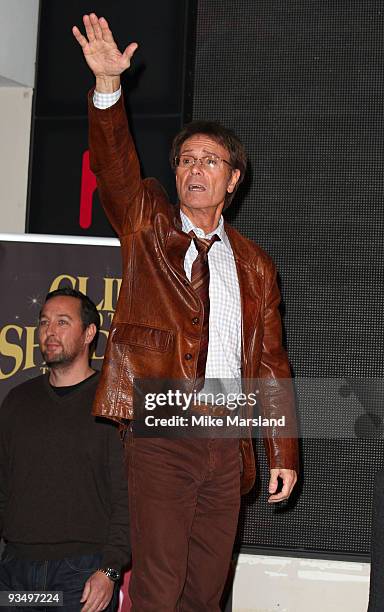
[90, 333]
[233, 180]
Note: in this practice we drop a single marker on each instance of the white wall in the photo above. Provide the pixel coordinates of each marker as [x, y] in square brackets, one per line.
[282, 584]
[15, 124]
[18, 35]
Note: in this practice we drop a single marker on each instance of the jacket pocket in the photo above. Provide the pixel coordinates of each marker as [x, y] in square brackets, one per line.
[150, 338]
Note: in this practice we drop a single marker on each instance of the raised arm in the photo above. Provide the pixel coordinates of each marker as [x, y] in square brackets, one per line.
[101, 53]
[125, 197]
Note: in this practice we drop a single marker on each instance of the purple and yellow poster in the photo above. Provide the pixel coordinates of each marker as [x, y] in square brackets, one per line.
[30, 267]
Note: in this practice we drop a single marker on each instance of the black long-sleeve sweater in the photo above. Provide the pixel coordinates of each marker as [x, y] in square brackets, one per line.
[63, 487]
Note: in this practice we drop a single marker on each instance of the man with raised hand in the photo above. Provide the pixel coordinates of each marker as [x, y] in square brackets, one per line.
[63, 488]
[198, 301]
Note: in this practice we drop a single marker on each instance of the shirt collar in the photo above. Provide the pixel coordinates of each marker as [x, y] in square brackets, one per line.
[187, 226]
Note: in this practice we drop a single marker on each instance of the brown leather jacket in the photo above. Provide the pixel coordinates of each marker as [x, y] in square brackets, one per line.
[153, 333]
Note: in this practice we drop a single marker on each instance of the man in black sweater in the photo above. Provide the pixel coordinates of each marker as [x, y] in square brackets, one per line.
[63, 492]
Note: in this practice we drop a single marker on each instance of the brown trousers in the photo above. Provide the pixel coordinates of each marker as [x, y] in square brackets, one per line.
[184, 499]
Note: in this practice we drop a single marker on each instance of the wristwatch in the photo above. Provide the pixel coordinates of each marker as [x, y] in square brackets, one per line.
[113, 574]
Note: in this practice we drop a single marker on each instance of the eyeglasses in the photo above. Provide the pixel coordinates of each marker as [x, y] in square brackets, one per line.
[210, 162]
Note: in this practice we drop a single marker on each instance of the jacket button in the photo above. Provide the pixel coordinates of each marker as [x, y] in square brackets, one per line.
[195, 320]
[188, 356]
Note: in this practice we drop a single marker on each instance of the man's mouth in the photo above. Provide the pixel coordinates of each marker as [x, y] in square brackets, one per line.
[196, 187]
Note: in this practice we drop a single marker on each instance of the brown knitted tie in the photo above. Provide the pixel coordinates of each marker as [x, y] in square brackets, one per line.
[200, 283]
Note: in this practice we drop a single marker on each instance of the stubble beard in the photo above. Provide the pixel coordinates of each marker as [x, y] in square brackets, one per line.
[60, 360]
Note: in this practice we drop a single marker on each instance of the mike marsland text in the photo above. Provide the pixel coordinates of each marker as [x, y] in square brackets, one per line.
[212, 421]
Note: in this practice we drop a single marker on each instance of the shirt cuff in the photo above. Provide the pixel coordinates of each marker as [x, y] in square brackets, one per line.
[105, 100]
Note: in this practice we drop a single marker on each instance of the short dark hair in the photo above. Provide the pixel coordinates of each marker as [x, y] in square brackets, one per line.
[220, 134]
[88, 311]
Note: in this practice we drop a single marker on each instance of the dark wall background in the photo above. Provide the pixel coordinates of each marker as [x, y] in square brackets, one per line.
[301, 81]
[157, 102]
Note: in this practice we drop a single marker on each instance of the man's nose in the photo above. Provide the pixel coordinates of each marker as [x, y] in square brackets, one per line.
[197, 167]
[50, 329]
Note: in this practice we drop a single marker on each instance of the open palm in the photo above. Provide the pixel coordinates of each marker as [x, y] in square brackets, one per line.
[100, 50]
